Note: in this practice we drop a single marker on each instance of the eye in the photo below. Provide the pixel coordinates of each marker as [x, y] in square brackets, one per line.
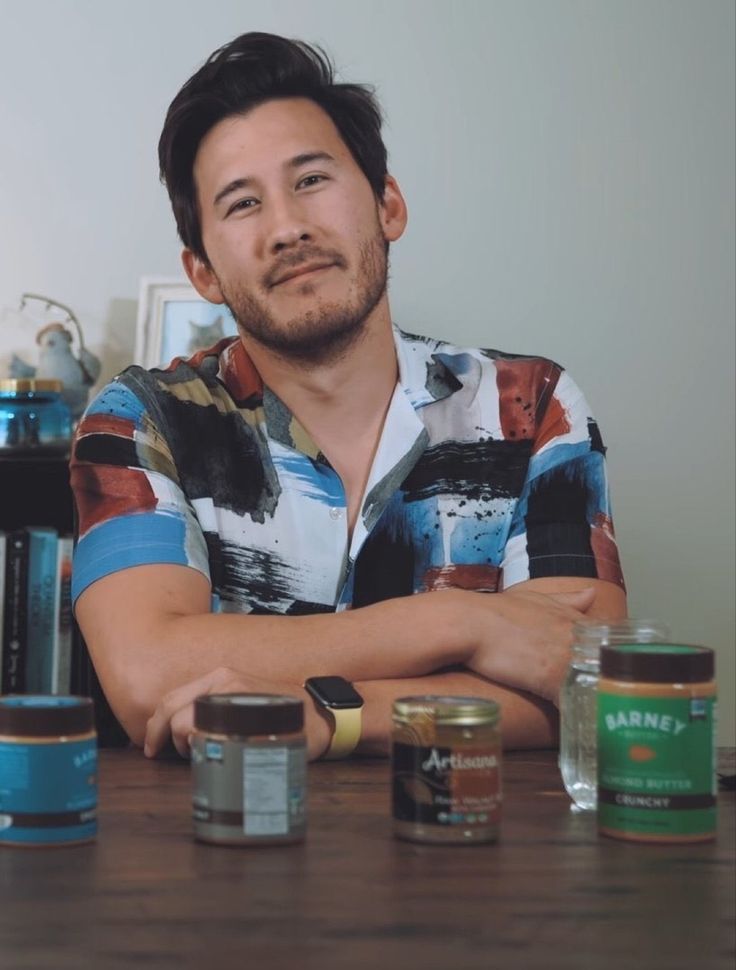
[242, 205]
[309, 180]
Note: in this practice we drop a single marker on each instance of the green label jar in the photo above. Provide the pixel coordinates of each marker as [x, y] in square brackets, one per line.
[656, 743]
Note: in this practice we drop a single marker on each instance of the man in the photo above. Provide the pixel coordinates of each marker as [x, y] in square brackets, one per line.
[325, 495]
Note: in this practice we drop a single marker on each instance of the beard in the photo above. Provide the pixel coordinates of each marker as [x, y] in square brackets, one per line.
[325, 332]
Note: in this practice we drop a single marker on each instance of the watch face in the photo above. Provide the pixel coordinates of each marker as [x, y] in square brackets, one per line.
[334, 692]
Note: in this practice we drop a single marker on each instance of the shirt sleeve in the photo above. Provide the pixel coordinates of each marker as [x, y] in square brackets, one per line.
[562, 524]
[131, 510]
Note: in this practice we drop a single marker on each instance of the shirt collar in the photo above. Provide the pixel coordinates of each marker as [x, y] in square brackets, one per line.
[426, 375]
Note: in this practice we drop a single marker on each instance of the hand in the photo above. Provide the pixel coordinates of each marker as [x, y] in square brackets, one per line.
[525, 637]
[174, 715]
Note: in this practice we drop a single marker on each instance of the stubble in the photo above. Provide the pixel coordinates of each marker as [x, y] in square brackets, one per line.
[326, 331]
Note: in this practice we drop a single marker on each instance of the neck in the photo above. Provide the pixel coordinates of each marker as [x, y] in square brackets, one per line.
[342, 397]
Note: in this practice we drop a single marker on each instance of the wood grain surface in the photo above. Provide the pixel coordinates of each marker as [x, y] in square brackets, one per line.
[551, 893]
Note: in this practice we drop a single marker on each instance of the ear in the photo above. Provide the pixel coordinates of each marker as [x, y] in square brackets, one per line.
[202, 277]
[392, 211]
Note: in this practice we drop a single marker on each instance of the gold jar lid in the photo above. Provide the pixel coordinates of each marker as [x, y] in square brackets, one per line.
[24, 385]
[460, 711]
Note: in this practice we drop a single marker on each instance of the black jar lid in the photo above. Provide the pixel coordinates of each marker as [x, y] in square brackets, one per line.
[45, 715]
[658, 663]
[248, 714]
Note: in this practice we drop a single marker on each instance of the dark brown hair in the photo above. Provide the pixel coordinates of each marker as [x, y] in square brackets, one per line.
[250, 70]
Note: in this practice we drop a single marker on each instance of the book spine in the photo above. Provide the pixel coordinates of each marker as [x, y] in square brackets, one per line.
[3, 540]
[16, 610]
[42, 555]
[62, 666]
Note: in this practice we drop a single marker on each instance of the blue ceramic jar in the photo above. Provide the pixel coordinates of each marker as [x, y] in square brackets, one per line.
[34, 420]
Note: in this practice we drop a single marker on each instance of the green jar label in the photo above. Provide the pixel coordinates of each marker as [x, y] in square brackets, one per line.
[656, 765]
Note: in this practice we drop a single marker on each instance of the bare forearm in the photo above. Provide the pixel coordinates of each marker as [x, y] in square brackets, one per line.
[396, 638]
[149, 631]
[526, 720]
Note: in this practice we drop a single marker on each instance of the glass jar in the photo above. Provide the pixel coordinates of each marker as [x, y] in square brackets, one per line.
[48, 770]
[579, 700]
[249, 769]
[34, 420]
[446, 769]
[657, 743]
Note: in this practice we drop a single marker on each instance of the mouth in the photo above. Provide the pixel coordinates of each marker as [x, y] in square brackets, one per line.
[307, 270]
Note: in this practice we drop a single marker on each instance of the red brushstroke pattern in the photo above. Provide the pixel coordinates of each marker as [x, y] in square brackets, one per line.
[478, 577]
[101, 423]
[604, 548]
[238, 373]
[526, 390]
[103, 492]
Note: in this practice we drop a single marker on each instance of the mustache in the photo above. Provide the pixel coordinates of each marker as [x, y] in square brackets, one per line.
[307, 254]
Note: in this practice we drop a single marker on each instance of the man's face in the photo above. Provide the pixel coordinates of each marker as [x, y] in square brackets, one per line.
[295, 237]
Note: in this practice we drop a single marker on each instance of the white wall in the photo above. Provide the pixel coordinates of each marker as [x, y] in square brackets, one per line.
[569, 168]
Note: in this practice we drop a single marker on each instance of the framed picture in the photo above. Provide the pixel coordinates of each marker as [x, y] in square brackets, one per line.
[174, 321]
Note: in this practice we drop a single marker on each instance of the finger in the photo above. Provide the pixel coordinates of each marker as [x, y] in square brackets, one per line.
[158, 726]
[182, 725]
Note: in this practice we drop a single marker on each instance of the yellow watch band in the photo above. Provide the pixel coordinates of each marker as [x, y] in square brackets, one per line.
[348, 723]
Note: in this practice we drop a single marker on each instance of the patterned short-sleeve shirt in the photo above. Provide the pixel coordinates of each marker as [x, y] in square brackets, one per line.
[490, 470]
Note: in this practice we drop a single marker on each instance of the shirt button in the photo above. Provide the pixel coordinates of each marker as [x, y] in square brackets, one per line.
[335, 513]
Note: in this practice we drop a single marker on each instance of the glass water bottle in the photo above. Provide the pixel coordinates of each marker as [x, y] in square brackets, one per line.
[579, 700]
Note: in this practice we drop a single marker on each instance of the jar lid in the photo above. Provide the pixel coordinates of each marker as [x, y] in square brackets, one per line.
[25, 385]
[245, 714]
[447, 710]
[658, 663]
[633, 630]
[45, 715]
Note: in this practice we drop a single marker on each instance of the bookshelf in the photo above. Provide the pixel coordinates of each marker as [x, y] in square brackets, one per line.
[36, 492]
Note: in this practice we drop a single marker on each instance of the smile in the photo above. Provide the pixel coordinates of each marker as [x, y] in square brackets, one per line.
[303, 273]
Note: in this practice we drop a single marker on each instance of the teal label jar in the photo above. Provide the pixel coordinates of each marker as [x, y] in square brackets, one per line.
[48, 770]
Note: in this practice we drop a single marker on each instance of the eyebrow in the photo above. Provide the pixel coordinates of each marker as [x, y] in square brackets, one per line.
[305, 158]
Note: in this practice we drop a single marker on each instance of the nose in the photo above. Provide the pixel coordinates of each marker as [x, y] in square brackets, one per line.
[288, 228]
[289, 238]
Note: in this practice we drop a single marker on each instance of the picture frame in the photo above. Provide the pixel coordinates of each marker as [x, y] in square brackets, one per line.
[174, 321]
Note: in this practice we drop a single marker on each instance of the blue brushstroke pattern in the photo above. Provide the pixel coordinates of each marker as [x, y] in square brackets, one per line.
[119, 400]
[133, 540]
[311, 479]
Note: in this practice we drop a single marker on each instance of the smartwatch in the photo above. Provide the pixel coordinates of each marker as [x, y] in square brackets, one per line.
[338, 698]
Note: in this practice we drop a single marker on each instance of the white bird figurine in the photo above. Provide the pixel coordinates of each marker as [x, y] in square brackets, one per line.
[57, 362]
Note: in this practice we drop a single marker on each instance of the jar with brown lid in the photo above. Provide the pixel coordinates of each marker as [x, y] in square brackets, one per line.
[249, 767]
[656, 743]
[446, 769]
[48, 770]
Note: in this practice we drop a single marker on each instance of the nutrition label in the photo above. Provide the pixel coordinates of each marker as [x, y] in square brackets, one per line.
[266, 791]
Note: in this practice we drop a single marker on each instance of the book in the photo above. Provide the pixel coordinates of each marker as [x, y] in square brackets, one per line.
[41, 616]
[61, 672]
[3, 539]
[15, 628]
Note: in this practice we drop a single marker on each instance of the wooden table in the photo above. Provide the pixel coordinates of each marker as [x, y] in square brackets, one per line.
[550, 894]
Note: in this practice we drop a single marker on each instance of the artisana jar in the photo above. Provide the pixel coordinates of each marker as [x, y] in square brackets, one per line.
[446, 769]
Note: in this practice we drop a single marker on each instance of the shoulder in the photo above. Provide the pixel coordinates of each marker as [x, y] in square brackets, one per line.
[530, 395]
[530, 377]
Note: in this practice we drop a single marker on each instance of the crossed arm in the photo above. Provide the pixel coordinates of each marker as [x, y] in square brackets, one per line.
[156, 647]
